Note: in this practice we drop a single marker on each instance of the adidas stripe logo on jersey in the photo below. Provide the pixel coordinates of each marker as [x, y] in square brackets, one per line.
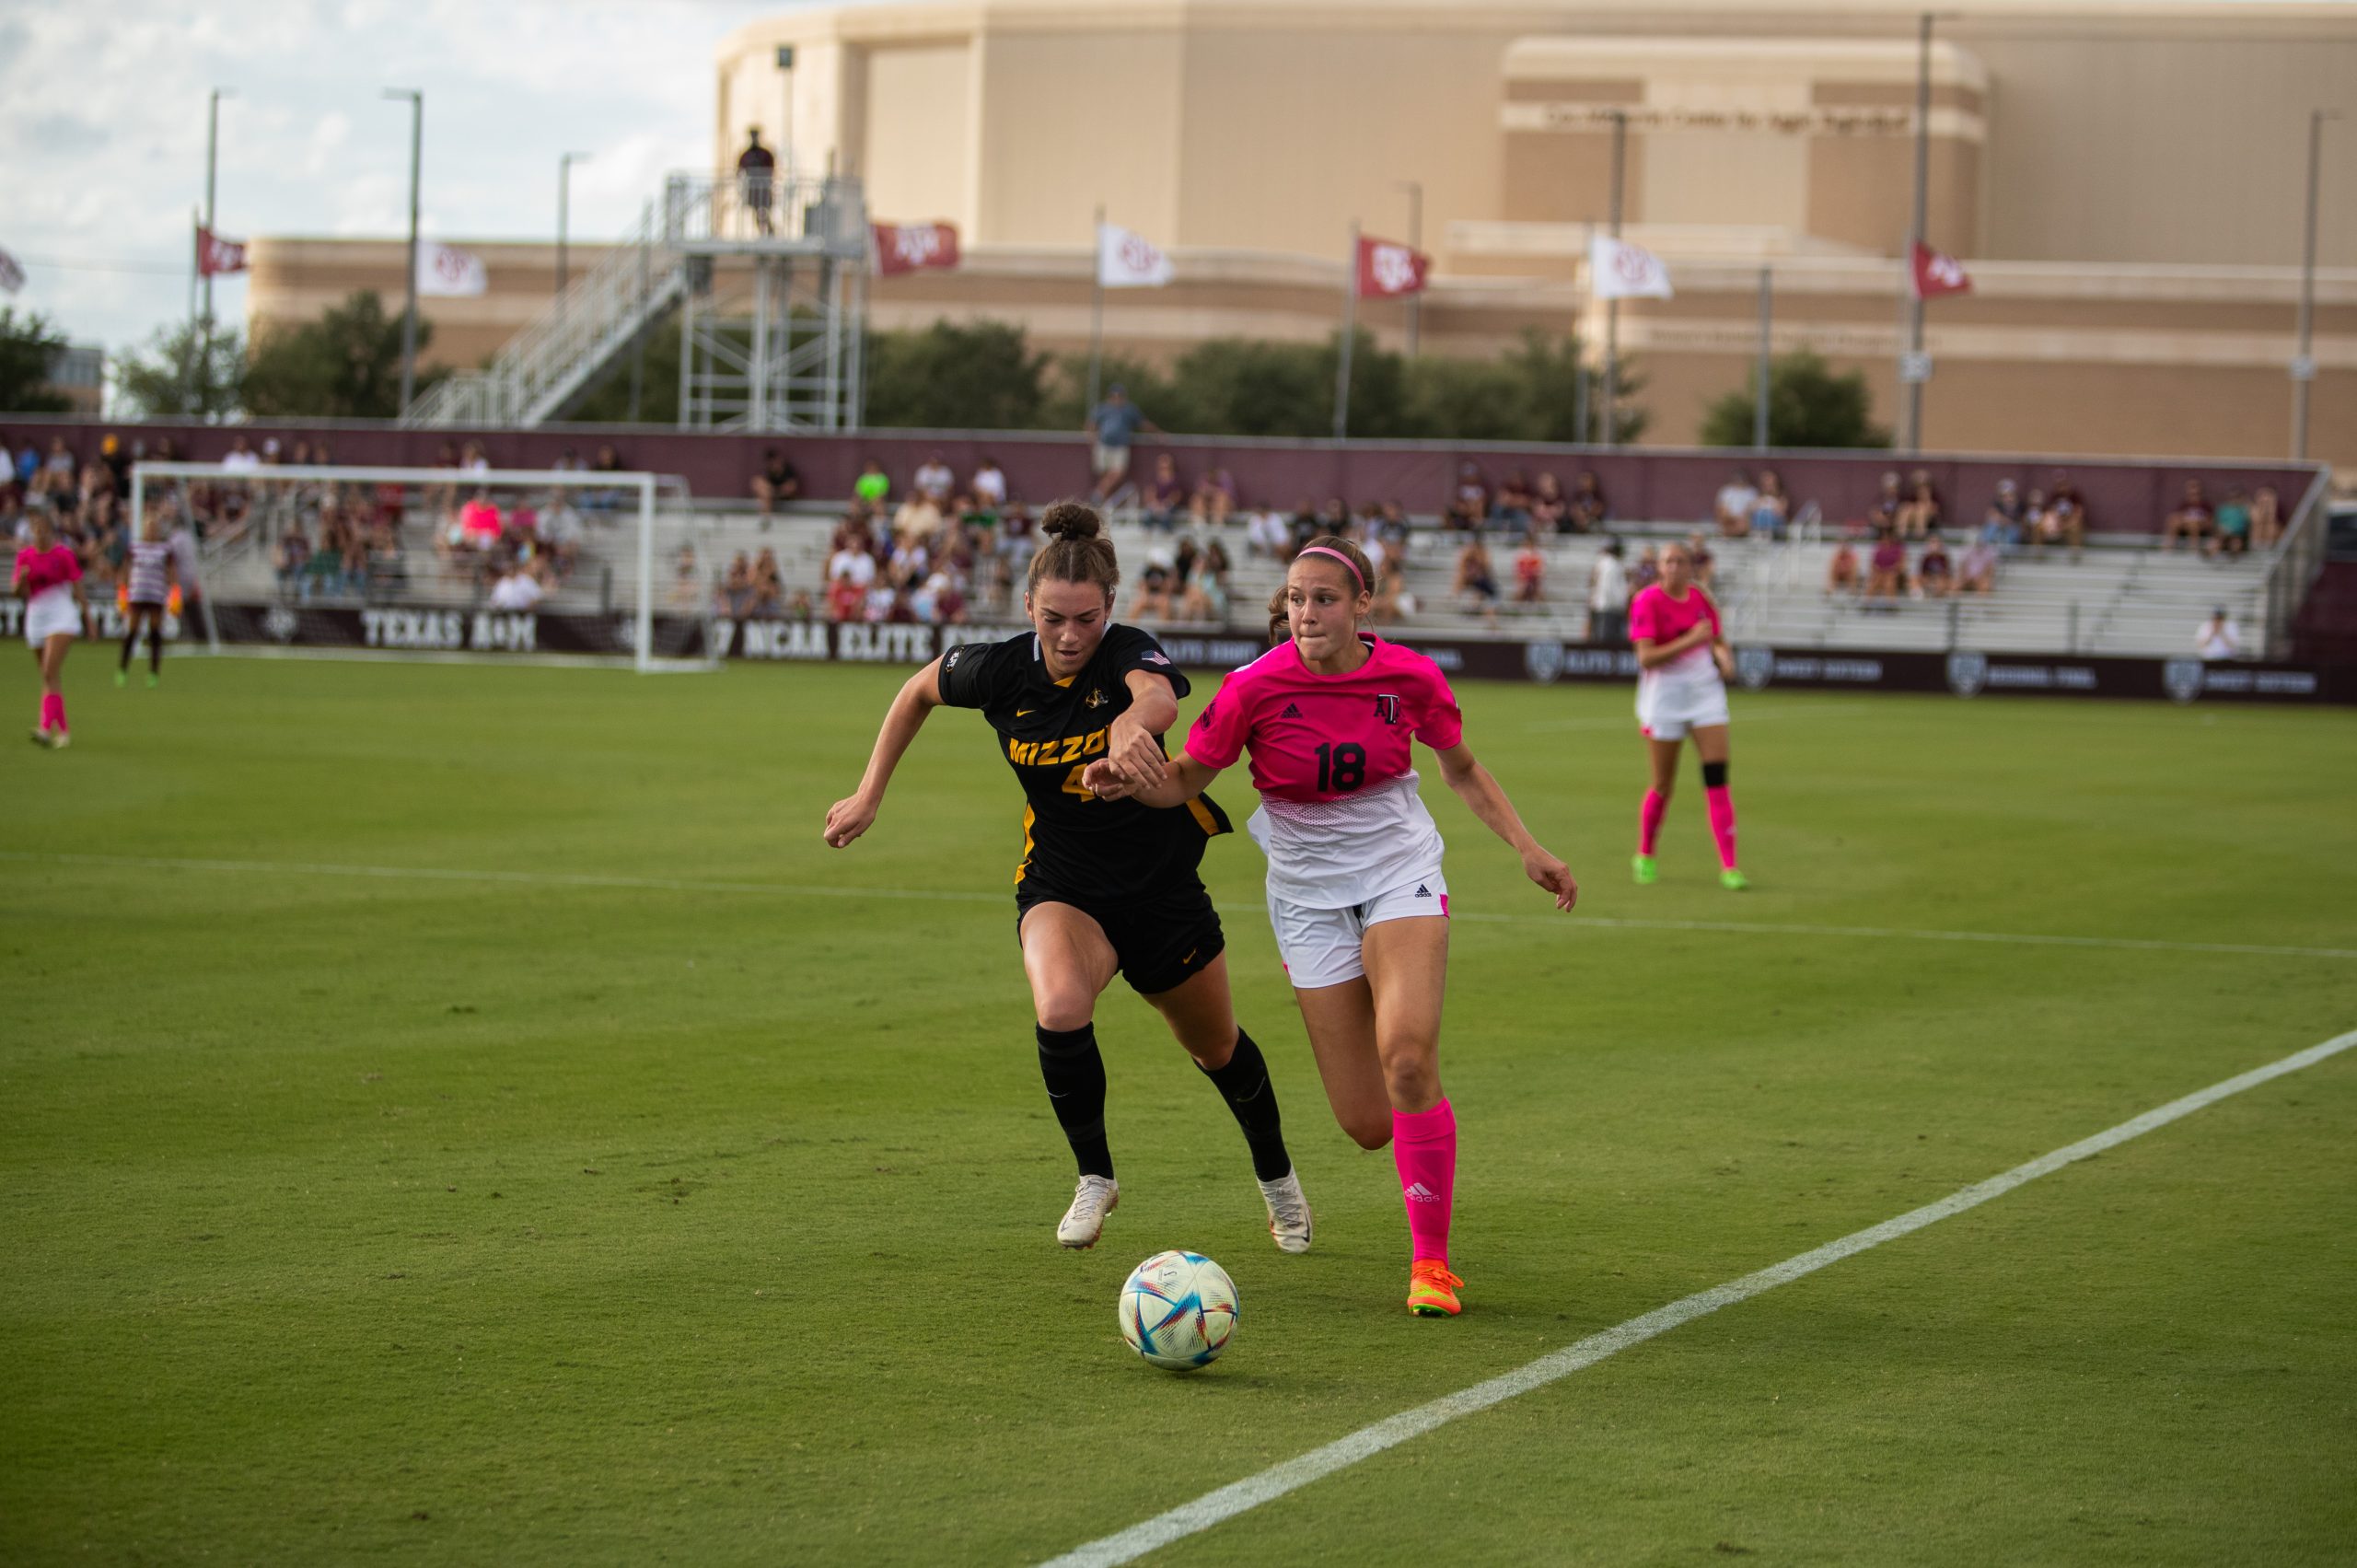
[1419, 1193]
[1291, 712]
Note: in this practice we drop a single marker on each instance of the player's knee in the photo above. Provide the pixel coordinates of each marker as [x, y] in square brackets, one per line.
[1412, 1083]
[1061, 1012]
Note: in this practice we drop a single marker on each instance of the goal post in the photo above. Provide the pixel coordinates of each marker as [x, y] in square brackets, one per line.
[418, 539]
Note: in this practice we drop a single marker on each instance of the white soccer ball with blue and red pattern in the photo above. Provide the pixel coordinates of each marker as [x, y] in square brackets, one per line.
[1179, 1310]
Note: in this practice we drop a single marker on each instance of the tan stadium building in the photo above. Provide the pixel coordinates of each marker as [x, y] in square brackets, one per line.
[2125, 184]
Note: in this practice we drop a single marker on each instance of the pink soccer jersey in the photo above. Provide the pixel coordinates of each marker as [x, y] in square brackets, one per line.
[1655, 617]
[44, 569]
[1340, 817]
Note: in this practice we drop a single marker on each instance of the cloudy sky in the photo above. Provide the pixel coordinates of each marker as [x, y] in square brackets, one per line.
[102, 111]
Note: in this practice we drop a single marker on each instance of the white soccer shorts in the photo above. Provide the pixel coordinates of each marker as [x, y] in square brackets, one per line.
[1683, 708]
[1323, 947]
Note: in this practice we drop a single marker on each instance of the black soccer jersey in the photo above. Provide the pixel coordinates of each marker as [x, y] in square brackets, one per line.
[1089, 850]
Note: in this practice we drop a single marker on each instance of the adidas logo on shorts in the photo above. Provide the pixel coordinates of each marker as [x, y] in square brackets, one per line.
[1422, 892]
[1291, 712]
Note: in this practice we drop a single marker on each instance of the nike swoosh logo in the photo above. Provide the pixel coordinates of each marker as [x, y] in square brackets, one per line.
[1025, 712]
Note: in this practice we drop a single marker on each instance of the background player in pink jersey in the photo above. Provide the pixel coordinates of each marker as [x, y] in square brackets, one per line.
[49, 576]
[1683, 663]
[1106, 886]
[1355, 891]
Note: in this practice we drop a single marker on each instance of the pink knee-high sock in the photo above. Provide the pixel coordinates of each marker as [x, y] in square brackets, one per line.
[1723, 823]
[1424, 1148]
[52, 709]
[1649, 818]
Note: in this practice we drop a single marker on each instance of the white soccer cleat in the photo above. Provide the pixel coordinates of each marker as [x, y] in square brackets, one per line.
[1288, 1213]
[1092, 1200]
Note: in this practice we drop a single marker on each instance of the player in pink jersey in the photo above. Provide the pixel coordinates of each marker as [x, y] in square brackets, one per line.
[1355, 891]
[49, 576]
[1683, 663]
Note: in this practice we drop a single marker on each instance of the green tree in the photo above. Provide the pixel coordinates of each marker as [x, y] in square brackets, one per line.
[346, 365]
[183, 372]
[1808, 406]
[658, 392]
[981, 375]
[28, 346]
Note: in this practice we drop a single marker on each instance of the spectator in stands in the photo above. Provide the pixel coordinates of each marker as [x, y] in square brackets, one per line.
[1268, 533]
[1391, 531]
[687, 591]
[1732, 506]
[2218, 637]
[873, 486]
[1333, 518]
[569, 462]
[1114, 424]
[2002, 524]
[288, 558]
[1934, 572]
[1588, 510]
[1392, 598]
[1477, 585]
[480, 525]
[1842, 575]
[934, 481]
[1304, 527]
[2266, 520]
[735, 597]
[989, 486]
[2233, 536]
[1884, 513]
[1918, 515]
[1771, 509]
[1016, 533]
[769, 586]
[2062, 520]
[1530, 571]
[757, 178]
[1976, 570]
[1887, 570]
[1510, 506]
[1151, 600]
[1215, 498]
[1706, 566]
[28, 465]
[2191, 520]
[845, 599]
[1164, 495]
[472, 459]
[1645, 573]
[1551, 509]
[918, 518]
[608, 460]
[1607, 597]
[516, 590]
[777, 480]
[1205, 597]
[561, 534]
[1468, 503]
[912, 559]
[239, 457]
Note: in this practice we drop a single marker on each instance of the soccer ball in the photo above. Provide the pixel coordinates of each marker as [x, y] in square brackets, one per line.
[1178, 1310]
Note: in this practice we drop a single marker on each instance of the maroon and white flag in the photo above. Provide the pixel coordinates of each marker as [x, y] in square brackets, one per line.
[215, 255]
[1936, 273]
[908, 247]
[1388, 268]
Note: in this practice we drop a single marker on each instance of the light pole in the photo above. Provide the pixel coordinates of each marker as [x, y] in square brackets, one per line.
[2304, 364]
[1910, 366]
[1767, 368]
[1415, 189]
[212, 161]
[1612, 306]
[409, 312]
[564, 163]
[786, 132]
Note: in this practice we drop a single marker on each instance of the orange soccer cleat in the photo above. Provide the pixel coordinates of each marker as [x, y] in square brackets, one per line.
[1432, 1289]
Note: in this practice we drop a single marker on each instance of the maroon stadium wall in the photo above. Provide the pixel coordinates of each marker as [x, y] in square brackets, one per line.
[2123, 496]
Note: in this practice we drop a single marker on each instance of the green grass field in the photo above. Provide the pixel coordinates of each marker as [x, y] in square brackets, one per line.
[465, 1115]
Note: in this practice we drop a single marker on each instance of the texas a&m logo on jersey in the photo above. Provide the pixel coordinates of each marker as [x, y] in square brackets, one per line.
[1387, 708]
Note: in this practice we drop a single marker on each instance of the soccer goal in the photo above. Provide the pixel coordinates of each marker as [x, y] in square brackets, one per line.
[443, 561]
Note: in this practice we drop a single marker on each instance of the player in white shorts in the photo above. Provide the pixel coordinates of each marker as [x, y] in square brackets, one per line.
[49, 576]
[1683, 663]
[1356, 890]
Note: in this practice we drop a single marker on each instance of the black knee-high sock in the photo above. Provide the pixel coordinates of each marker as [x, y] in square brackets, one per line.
[130, 641]
[1244, 1084]
[1075, 1074]
[156, 647]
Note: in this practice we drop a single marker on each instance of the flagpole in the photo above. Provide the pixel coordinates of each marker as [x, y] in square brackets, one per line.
[409, 313]
[1612, 306]
[1910, 387]
[1350, 337]
[188, 342]
[1767, 321]
[1095, 308]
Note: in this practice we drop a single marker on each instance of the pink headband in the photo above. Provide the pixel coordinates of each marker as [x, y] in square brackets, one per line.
[1330, 549]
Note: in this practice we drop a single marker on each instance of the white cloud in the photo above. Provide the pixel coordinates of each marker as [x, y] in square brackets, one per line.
[102, 121]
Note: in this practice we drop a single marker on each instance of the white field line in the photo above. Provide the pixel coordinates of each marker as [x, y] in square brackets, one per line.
[1229, 1501]
[924, 895]
[1749, 716]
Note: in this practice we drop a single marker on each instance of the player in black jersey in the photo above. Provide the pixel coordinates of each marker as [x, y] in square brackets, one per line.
[1104, 885]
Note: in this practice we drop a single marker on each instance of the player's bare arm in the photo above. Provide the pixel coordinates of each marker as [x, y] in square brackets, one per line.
[1481, 794]
[1131, 749]
[854, 814]
[1176, 782]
